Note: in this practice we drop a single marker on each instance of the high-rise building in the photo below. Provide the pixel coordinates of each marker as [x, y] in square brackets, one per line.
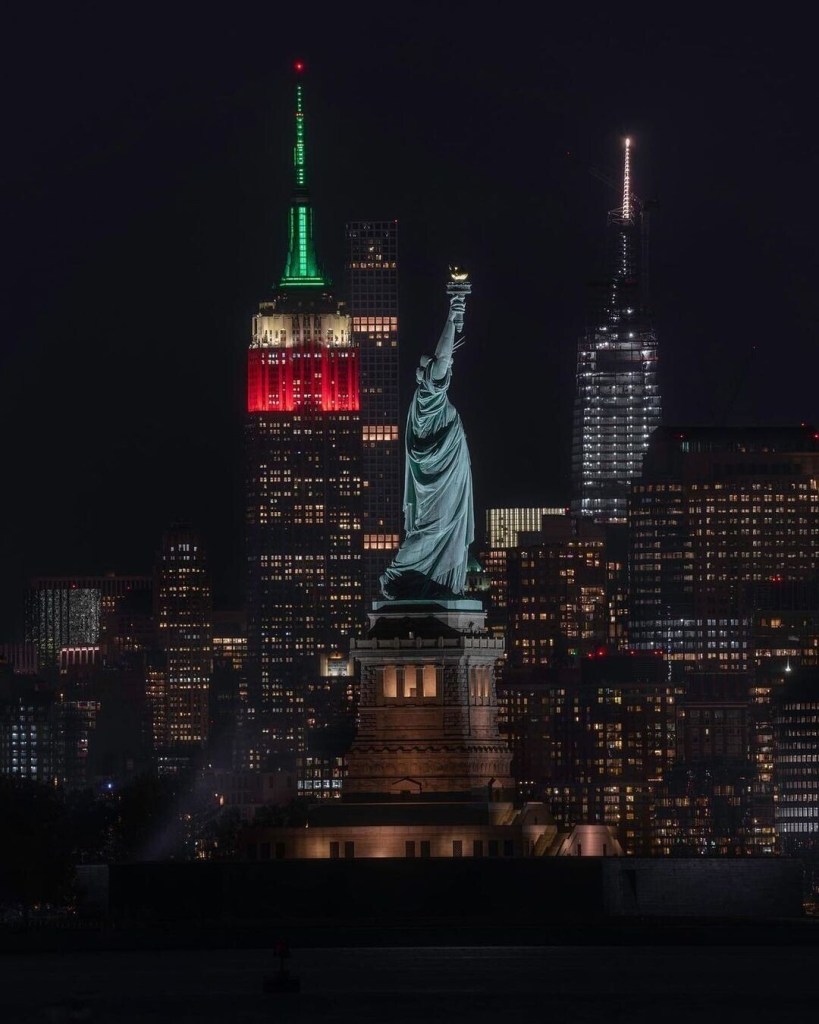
[554, 584]
[67, 611]
[617, 399]
[304, 542]
[796, 768]
[184, 610]
[715, 513]
[73, 728]
[724, 526]
[27, 728]
[556, 594]
[705, 804]
[506, 528]
[372, 282]
[228, 691]
[593, 741]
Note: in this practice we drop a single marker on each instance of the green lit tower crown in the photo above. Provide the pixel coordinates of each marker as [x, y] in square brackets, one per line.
[302, 268]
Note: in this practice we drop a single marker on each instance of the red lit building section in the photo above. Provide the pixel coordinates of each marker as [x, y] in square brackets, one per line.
[296, 379]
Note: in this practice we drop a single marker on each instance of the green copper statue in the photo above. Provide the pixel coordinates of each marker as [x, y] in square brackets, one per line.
[438, 518]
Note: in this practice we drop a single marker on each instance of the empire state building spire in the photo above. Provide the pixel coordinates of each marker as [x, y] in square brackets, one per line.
[302, 268]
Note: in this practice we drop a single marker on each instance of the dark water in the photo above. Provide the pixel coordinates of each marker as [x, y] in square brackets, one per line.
[564, 984]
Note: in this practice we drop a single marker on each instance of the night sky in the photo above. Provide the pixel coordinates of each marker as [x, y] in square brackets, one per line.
[144, 200]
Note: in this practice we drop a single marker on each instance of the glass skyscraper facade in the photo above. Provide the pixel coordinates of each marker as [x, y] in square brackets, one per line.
[617, 399]
[67, 611]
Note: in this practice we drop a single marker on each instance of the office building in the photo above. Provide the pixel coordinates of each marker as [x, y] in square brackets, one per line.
[617, 399]
[27, 729]
[593, 741]
[184, 610]
[556, 594]
[796, 767]
[714, 513]
[506, 528]
[705, 803]
[66, 611]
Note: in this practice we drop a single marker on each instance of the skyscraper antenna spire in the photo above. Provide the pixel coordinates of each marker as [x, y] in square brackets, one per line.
[301, 268]
[627, 182]
[299, 167]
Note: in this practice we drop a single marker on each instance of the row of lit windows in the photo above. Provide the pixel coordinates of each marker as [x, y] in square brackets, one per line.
[381, 541]
[379, 432]
[375, 323]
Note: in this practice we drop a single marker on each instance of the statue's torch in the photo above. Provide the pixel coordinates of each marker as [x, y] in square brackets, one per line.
[458, 287]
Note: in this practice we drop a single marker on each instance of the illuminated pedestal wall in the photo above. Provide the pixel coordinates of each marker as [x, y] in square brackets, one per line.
[428, 710]
[428, 774]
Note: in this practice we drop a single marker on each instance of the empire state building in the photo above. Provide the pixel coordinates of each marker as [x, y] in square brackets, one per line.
[303, 476]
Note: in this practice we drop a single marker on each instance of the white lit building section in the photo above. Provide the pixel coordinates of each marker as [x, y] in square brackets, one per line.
[504, 525]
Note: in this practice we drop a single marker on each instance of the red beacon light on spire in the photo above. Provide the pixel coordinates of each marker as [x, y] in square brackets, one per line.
[298, 66]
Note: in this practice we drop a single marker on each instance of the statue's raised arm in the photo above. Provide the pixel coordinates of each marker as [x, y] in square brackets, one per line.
[446, 343]
[439, 521]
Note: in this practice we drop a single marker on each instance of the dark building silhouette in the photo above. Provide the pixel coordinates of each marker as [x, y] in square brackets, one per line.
[22, 657]
[372, 287]
[228, 689]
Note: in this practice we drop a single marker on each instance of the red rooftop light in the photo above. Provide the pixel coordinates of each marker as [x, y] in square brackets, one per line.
[299, 65]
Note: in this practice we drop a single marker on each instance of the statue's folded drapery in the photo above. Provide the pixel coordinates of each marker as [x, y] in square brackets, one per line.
[438, 516]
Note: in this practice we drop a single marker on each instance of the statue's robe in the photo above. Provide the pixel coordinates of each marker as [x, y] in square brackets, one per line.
[438, 516]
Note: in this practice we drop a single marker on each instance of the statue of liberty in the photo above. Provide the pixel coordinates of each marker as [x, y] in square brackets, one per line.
[439, 520]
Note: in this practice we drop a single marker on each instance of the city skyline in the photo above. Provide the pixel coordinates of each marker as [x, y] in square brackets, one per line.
[129, 302]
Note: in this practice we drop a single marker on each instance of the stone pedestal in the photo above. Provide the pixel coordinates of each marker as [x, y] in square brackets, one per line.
[428, 714]
[428, 774]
